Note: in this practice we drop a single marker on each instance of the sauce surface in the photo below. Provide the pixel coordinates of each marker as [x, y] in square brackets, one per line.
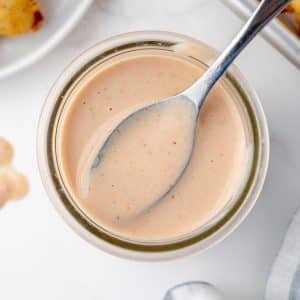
[146, 156]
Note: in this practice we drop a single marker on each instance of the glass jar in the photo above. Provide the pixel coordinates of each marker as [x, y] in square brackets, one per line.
[131, 44]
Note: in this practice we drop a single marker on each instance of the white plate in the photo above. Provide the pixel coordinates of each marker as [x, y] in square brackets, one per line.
[61, 16]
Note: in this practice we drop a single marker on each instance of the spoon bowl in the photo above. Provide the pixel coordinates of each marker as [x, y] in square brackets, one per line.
[160, 132]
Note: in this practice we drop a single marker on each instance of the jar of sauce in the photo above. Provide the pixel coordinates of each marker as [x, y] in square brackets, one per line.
[219, 186]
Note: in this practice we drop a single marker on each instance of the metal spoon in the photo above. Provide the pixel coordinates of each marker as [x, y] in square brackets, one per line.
[196, 94]
[194, 290]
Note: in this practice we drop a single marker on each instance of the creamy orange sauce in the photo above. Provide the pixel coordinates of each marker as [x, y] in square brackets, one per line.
[141, 161]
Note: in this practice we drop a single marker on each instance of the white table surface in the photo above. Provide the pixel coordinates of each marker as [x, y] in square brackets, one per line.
[42, 258]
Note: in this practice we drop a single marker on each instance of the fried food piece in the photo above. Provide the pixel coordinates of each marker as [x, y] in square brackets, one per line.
[294, 7]
[6, 152]
[13, 185]
[19, 16]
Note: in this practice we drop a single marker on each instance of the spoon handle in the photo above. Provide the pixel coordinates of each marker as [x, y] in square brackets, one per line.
[264, 13]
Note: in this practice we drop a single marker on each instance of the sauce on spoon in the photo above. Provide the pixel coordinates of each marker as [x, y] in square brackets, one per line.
[144, 156]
